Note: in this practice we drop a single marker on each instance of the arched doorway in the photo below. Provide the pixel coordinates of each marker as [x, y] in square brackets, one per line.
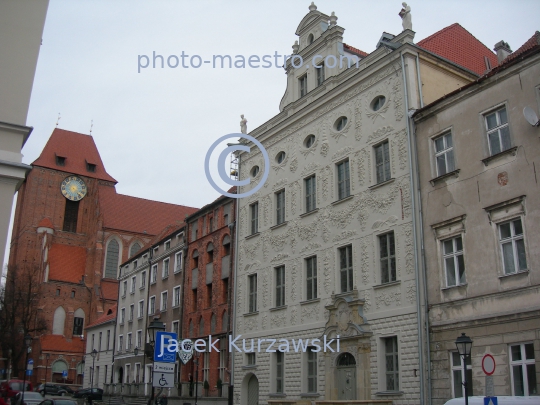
[346, 377]
[253, 391]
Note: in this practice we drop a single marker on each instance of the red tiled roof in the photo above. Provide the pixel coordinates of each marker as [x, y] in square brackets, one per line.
[45, 223]
[78, 149]
[530, 44]
[458, 45]
[104, 318]
[58, 343]
[109, 289]
[355, 50]
[138, 215]
[67, 263]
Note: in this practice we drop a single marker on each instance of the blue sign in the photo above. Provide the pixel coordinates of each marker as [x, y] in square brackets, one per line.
[490, 401]
[161, 351]
[64, 374]
[29, 372]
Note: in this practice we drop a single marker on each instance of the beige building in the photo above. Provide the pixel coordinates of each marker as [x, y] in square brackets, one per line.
[21, 27]
[477, 158]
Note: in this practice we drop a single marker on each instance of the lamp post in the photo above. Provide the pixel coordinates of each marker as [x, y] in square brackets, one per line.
[464, 345]
[47, 357]
[155, 326]
[93, 354]
[28, 344]
[196, 361]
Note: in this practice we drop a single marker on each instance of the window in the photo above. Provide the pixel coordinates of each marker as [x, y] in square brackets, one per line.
[252, 293]
[320, 74]
[280, 157]
[254, 214]
[153, 277]
[78, 324]
[311, 277]
[458, 390]
[280, 207]
[309, 141]
[280, 286]
[512, 246]
[227, 213]
[303, 85]
[444, 154]
[99, 342]
[279, 371]
[72, 294]
[133, 284]
[57, 291]
[90, 167]
[454, 264]
[255, 171]
[129, 341]
[176, 296]
[143, 280]
[168, 244]
[206, 365]
[60, 160]
[135, 264]
[125, 287]
[213, 324]
[71, 215]
[165, 270]
[310, 184]
[311, 370]
[498, 132]
[175, 327]
[179, 257]
[201, 327]
[382, 162]
[250, 359]
[211, 223]
[225, 290]
[340, 123]
[310, 39]
[377, 103]
[120, 343]
[194, 230]
[108, 339]
[523, 370]
[344, 180]
[346, 269]
[164, 297]
[122, 315]
[392, 364]
[208, 295]
[222, 359]
[225, 321]
[152, 306]
[134, 249]
[388, 257]
[131, 312]
[111, 261]
[140, 314]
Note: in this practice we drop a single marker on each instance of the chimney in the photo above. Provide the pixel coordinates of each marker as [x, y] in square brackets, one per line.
[503, 50]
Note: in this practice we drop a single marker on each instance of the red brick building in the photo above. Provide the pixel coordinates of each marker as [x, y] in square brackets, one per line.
[208, 291]
[72, 224]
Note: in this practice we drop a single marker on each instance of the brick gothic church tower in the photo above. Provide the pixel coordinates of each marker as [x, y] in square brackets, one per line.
[73, 226]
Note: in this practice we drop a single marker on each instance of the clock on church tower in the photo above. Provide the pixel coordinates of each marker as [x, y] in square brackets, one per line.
[73, 188]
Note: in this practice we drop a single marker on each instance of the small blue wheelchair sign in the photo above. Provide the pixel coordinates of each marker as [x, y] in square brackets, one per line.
[490, 401]
[163, 341]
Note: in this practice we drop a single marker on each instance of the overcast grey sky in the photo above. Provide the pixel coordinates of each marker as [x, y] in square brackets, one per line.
[153, 128]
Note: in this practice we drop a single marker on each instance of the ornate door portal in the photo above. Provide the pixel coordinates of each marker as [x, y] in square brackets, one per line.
[346, 377]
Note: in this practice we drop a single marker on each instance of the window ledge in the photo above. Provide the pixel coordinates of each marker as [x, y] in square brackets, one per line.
[250, 367]
[142, 288]
[175, 306]
[139, 317]
[305, 214]
[511, 151]
[163, 310]
[152, 282]
[253, 235]
[391, 180]
[278, 225]
[343, 199]
[436, 180]
[526, 271]
[130, 320]
[132, 292]
[178, 272]
[251, 313]
[396, 393]
[454, 286]
[391, 283]
[278, 308]
[165, 278]
[344, 294]
[310, 395]
[310, 301]
[277, 395]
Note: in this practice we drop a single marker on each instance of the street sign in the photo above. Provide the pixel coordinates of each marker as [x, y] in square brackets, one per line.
[64, 374]
[161, 352]
[488, 364]
[490, 401]
[186, 350]
[164, 367]
[163, 380]
[30, 365]
[28, 372]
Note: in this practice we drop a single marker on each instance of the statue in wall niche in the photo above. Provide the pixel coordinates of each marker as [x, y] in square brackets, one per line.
[406, 19]
[243, 125]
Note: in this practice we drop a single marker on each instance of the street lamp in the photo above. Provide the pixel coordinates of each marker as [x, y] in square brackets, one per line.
[47, 357]
[28, 344]
[93, 354]
[196, 361]
[464, 345]
[155, 326]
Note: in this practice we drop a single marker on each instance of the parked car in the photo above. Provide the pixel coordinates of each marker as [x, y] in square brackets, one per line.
[69, 390]
[51, 389]
[58, 401]
[9, 389]
[30, 398]
[95, 394]
[503, 400]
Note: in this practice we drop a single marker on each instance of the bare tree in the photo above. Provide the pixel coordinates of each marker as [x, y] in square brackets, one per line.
[19, 314]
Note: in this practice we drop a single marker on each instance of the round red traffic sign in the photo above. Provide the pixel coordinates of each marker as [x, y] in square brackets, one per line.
[488, 364]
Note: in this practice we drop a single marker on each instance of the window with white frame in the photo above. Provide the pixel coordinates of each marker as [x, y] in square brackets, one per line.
[122, 315]
[175, 327]
[387, 254]
[167, 245]
[125, 287]
[250, 359]
[458, 390]
[523, 369]
[254, 216]
[165, 269]
[128, 374]
[252, 299]
[311, 370]
[131, 312]
[120, 343]
[129, 341]
[382, 162]
[143, 280]
[176, 296]
[512, 246]
[222, 358]
[152, 305]
[454, 264]
[164, 297]
[444, 154]
[206, 366]
[344, 179]
[320, 74]
[346, 268]
[153, 275]
[279, 357]
[139, 339]
[140, 314]
[498, 132]
[280, 286]
[133, 284]
[302, 82]
[280, 207]
[178, 258]
[391, 358]
[311, 278]
[311, 193]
